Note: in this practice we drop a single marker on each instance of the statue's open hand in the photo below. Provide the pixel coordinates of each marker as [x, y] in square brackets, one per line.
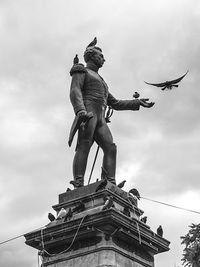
[144, 103]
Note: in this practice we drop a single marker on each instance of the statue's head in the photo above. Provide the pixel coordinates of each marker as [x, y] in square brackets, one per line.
[94, 54]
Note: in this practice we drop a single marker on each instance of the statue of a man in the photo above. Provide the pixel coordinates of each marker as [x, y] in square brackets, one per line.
[89, 93]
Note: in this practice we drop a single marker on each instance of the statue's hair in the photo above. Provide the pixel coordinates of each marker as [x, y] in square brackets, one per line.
[90, 52]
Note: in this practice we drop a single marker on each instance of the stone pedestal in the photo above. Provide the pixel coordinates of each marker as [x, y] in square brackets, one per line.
[114, 237]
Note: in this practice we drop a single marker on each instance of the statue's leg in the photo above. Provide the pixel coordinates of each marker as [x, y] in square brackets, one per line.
[85, 140]
[104, 139]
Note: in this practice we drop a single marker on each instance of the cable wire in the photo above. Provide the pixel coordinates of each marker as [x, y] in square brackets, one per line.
[173, 206]
[152, 200]
[16, 237]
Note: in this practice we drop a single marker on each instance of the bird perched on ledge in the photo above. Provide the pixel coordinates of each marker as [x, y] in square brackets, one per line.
[168, 84]
[61, 214]
[102, 185]
[68, 215]
[144, 219]
[121, 185]
[108, 204]
[51, 217]
[160, 231]
[135, 193]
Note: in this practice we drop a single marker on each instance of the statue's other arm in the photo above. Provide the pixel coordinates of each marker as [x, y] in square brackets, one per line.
[76, 92]
[123, 104]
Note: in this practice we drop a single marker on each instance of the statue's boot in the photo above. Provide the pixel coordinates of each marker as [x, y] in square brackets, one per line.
[80, 162]
[109, 163]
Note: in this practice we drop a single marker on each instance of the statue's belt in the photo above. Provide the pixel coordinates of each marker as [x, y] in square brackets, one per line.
[79, 121]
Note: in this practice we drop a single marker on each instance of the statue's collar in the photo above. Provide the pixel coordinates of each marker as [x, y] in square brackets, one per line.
[92, 66]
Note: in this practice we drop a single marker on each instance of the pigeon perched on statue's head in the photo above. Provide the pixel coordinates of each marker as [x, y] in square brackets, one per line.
[91, 50]
[93, 43]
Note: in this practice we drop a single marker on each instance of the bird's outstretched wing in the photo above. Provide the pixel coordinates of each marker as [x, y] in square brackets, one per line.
[157, 84]
[167, 83]
[178, 79]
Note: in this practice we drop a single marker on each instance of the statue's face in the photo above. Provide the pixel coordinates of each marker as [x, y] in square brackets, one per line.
[98, 59]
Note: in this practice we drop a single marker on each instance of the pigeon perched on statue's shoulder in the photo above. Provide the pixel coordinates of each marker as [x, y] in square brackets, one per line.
[76, 59]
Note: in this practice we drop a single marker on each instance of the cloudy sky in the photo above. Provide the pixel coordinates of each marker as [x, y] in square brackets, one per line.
[158, 148]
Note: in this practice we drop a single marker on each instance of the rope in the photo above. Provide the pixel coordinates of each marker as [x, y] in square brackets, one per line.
[55, 254]
[139, 236]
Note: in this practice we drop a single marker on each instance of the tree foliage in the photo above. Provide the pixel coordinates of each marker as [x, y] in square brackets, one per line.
[191, 252]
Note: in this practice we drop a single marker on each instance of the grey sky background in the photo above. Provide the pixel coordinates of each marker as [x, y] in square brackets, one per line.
[158, 148]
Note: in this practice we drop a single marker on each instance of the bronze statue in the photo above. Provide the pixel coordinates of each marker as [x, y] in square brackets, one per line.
[90, 96]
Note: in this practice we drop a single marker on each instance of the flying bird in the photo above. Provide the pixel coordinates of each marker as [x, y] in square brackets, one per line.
[121, 185]
[68, 215]
[102, 185]
[136, 95]
[144, 219]
[79, 208]
[160, 231]
[108, 204]
[135, 193]
[168, 84]
[93, 43]
[76, 59]
[61, 214]
[51, 217]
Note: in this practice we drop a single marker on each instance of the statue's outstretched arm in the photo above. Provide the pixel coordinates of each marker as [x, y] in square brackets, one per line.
[133, 104]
